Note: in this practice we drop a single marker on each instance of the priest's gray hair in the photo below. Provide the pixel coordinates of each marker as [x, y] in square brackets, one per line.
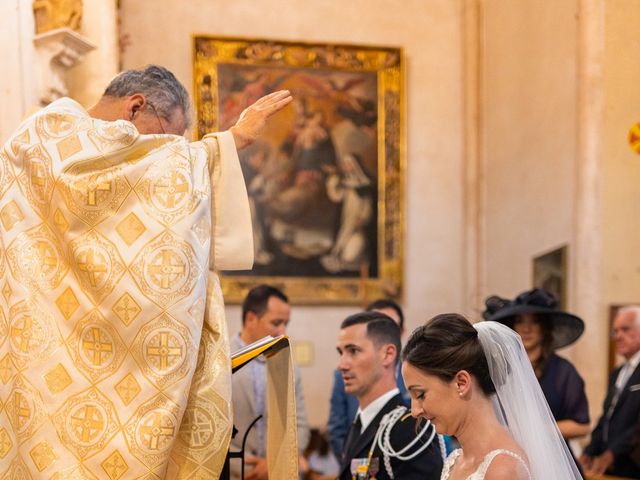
[159, 86]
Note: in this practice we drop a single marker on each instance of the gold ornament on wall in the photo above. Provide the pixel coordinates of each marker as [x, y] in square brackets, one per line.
[634, 138]
[52, 14]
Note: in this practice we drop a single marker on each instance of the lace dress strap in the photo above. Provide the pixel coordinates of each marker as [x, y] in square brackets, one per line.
[484, 466]
[448, 463]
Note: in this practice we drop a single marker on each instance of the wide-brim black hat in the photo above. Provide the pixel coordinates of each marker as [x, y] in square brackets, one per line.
[566, 328]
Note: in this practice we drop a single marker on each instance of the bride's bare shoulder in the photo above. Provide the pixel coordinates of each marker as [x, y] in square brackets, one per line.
[508, 467]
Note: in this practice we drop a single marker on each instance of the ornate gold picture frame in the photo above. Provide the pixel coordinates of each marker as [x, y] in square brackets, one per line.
[326, 181]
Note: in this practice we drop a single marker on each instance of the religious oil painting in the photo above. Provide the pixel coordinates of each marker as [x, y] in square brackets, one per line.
[325, 182]
[550, 273]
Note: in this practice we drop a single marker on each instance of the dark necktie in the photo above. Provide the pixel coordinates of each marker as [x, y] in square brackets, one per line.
[352, 437]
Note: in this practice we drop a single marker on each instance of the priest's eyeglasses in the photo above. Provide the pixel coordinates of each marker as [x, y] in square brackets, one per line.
[157, 116]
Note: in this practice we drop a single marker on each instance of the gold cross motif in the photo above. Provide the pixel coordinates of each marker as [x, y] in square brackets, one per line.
[163, 351]
[10, 215]
[43, 456]
[112, 131]
[6, 370]
[126, 309]
[94, 187]
[57, 123]
[173, 191]
[23, 335]
[169, 268]
[156, 432]
[130, 228]
[87, 423]
[199, 428]
[57, 379]
[43, 255]
[60, 221]
[67, 303]
[97, 346]
[5, 443]
[7, 291]
[92, 267]
[128, 388]
[38, 176]
[115, 465]
[21, 408]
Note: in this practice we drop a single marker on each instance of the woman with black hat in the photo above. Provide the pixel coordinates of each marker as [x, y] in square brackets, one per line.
[535, 316]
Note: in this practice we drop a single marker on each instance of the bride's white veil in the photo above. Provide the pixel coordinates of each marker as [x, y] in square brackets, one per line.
[520, 404]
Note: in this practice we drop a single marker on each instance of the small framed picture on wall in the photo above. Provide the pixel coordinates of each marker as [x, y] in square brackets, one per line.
[550, 273]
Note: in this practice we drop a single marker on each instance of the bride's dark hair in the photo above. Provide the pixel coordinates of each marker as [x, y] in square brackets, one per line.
[445, 345]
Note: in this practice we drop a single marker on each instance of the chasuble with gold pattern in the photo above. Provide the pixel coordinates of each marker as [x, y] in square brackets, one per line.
[114, 357]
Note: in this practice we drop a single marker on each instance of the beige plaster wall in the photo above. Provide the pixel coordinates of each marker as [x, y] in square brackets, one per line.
[621, 166]
[17, 83]
[529, 135]
[530, 130]
[87, 80]
[531, 124]
[559, 94]
[430, 33]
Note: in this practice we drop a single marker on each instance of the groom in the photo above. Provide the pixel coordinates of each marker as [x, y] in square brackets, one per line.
[369, 346]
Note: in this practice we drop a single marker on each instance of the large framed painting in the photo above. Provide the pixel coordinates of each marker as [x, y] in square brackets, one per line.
[550, 273]
[326, 180]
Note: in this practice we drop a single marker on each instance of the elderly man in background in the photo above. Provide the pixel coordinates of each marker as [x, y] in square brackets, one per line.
[113, 350]
[612, 439]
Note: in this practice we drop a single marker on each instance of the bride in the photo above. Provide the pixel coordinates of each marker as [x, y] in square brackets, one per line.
[476, 383]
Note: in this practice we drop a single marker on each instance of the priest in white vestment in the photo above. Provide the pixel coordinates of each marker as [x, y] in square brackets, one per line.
[114, 361]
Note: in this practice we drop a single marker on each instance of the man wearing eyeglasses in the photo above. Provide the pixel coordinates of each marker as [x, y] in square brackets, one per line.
[611, 449]
[113, 350]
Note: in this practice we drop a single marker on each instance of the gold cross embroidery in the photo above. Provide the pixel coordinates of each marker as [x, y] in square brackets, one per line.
[173, 191]
[21, 408]
[88, 422]
[44, 256]
[127, 309]
[97, 346]
[57, 123]
[156, 431]
[167, 270]
[163, 351]
[38, 176]
[22, 336]
[95, 186]
[128, 388]
[200, 430]
[115, 465]
[92, 267]
[5, 443]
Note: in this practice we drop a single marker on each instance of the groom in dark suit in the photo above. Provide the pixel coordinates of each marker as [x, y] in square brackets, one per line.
[369, 346]
[613, 438]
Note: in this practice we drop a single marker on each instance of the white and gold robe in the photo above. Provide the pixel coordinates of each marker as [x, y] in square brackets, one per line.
[114, 357]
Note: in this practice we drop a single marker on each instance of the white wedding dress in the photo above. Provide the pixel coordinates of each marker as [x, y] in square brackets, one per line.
[484, 466]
